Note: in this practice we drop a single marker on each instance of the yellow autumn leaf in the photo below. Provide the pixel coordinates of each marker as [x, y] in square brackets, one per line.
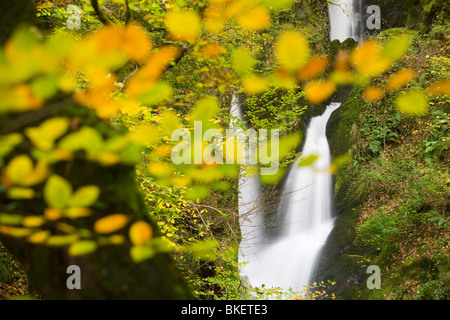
[5, 229]
[292, 50]
[413, 102]
[130, 106]
[19, 98]
[256, 18]
[116, 239]
[283, 79]
[105, 158]
[342, 61]
[254, 84]
[39, 237]
[145, 78]
[344, 78]
[107, 39]
[135, 43]
[212, 50]
[37, 175]
[169, 121]
[400, 79]
[75, 213]
[53, 214]
[62, 155]
[44, 136]
[162, 151]
[318, 91]
[20, 193]
[440, 88]
[160, 169]
[140, 233]
[315, 67]
[110, 223]
[180, 181]
[19, 232]
[33, 221]
[373, 94]
[367, 59]
[144, 134]
[214, 19]
[183, 25]
[233, 8]
[17, 169]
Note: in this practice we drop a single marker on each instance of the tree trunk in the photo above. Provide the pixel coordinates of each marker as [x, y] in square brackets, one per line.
[109, 272]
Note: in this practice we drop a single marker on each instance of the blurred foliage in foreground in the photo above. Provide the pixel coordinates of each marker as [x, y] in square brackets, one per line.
[42, 75]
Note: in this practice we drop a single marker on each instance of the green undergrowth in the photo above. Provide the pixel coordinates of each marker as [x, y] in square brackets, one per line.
[399, 183]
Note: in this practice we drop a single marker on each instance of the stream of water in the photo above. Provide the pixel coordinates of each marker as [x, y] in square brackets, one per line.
[288, 258]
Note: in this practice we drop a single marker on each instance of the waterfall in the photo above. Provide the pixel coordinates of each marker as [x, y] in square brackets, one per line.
[345, 20]
[288, 259]
[250, 216]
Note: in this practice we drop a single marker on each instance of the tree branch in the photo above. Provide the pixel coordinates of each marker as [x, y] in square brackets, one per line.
[31, 117]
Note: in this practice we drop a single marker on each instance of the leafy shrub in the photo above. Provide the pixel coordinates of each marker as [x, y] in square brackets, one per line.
[380, 229]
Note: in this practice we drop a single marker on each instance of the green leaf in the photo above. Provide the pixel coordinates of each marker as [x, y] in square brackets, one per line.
[57, 192]
[160, 91]
[342, 160]
[205, 109]
[169, 122]
[84, 197]
[61, 240]
[396, 47]
[277, 4]
[20, 193]
[288, 144]
[141, 253]
[412, 103]
[87, 138]
[11, 219]
[196, 192]
[8, 142]
[243, 61]
[18, 168]
[132, 154]
[44, 136]
[203, 250]
[308, 161]
[45, 87]
[272, 179]
[82, 247]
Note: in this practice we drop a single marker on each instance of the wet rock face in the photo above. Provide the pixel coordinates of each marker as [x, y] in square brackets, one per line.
[372, 16]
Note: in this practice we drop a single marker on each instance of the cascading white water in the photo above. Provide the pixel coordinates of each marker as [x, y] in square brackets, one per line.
[250, 216]
[288, 259]
[344, 20]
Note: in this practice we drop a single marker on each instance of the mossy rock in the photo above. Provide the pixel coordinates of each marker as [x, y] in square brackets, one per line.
[349, 274]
